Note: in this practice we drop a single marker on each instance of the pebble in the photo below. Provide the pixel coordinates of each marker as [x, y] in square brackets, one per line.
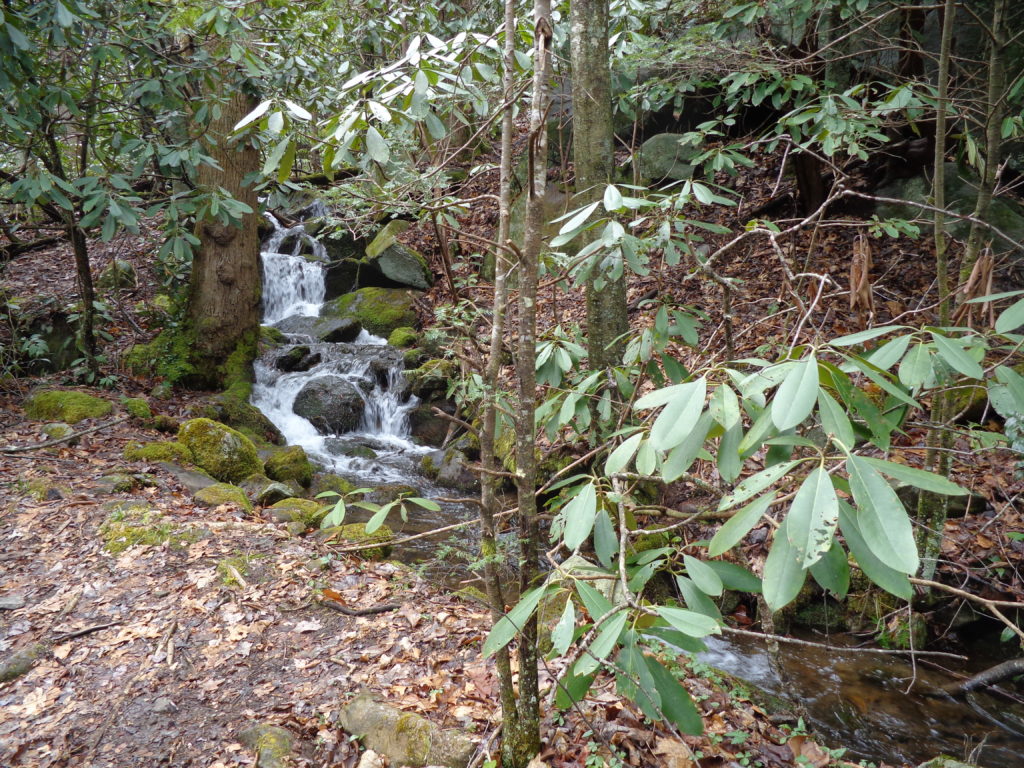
[12, 602]
[163, 706]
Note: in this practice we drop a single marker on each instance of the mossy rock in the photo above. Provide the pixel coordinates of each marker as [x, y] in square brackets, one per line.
[264, 491]
[247, 567]
[431, 379]
[355, 533]
[272, 744]
[396, 261]
[226, 454]
[384, 494]
[134, 525]
[222, 493]
[290, 463]
[324, 482]
[58, 431]
[414, 358]
[67, 406]
[472, 594]
[137, 408]
[171, 451]
[119, 482]
[271, 336]
[306, 511]
[40, 489]
[379, 310]
[403, 337]
[430, 464]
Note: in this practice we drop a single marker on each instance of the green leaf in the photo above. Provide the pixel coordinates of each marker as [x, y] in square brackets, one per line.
[612, 198]
[1011, 318]
[376, 147]
[430, 504]
[606, 639]
[676, 703]
[916, 366]
[597, 605]
[274, 158]
[679, 417]
[754, 484]
[794, 400]
[927, 481]
[861, 336]
[561, 635]
[572, 688]
[646, 459]
[832, 571]
[579, 516]
[881, 517]
[729, 462]
[696, 599]
[957, 358]
[703, 576]
[688, 622]
[834, 420]
[297, 111]
[812, 518]
[683, 455]
[633, 680]
[892, 581]
[509, 625]
[256, 114]
[579, 218]
[739, 525]
[285, 169]
[735, 577]
[378, 518]
[606, 543]
[620, 457]
[783, 575]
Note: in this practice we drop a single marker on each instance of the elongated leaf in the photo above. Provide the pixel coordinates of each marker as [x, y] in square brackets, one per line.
[735, 577]
[882, 381]
[284, 170]
[927, 481]
[881, 517]
[256, 114]
[662, 396]
[729, 462]
[916, 366]
[1011, 318]
[597, 605]
[606, 639]
[703, 576]
[834, 420]
[783, 577]
[511, 624]
[832, 572]
[754, 484]
[1014, 384]
[892, 581]
[812, 518]
[683, 455]
[795, 398]
[957, 358]
[885, 357]
[620, 457]
[679, 417]
[430, 504]
[378, 518]
[274, 158]
[646, 458]
[612, 198]
[300, 112]
[688, 622]
[676, 703]
[861, 336]
[376, 147]
[579, 516]
[561, 635]
[724, 406]
[696, 599]
[606, 543]
[579, 218]
[634, 681]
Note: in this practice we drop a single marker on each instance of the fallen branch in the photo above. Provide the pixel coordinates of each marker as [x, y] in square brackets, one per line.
[86, 631]
[58, 440]
[991, 675]
[839, 648]
[374, 609]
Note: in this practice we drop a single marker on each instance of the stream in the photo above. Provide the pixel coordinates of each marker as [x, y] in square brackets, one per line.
[857, 700]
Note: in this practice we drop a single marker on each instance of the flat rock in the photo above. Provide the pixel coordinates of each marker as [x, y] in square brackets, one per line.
[12, 602]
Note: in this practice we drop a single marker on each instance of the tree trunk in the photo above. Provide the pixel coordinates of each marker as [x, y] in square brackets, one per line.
[224, 302]
[594, 162]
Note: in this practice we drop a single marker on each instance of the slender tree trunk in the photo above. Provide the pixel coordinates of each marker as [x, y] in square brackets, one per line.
[521, 738]
[224, 303]
[995, 109]
[594, 162]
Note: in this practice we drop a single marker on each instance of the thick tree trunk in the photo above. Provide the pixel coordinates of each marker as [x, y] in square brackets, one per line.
[224, 303]
[594, 162]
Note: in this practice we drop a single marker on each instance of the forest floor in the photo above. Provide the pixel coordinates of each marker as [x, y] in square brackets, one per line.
[164, 653]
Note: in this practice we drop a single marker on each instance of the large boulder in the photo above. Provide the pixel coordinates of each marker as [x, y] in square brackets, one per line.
[63, 405]
[330, 328]
[296, 359]
[395, 261]
[663, 158]
[333, 405]
[215, 495]
[290, 463]
[228, 455]
[379, 310]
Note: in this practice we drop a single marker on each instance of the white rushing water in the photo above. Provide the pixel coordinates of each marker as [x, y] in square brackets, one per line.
[293, 285]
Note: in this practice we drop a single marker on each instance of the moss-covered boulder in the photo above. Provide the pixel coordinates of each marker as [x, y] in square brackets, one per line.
[263, 491]
[222, 493]
[290, 463]
[59, 431]
[454, 472]
[355, 533]
[403, 337]
[133, 524]
[171, 451]
[137, 408]
[66, 405]
[396, 261]
[226, 454]
[384, 494]
[306, 511]
[663, 157]
[328, 482]
[379, 310]
[272, 744]
[430, 381]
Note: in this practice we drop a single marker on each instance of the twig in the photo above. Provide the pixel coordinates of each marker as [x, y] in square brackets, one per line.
[86, 631]
[58, 440]
[373, 609]
[414, 537]
[838, 648]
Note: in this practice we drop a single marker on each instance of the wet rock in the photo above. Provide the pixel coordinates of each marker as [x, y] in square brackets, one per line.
[384, 494]
[305, 511]
[379, 310]
[331, 404]
[226, 454]
[662, 157]
[118, 482]
[430, 464]
[20, 662]
[327, 328]
[297, 359]
[290, 464]
[193, 480]
[430, 381]
[264, 491]
[327, 482]
[396, 261]
[272, 744]
[342, 447]
[454, 472]
[403, 338]
[426, 427]
[405, 737]
[222, 493]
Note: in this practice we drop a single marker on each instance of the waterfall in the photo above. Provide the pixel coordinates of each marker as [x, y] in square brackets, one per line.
[292, 283]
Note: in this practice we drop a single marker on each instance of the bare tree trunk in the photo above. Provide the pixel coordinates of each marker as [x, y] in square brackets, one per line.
[224, 303]
[594, 162]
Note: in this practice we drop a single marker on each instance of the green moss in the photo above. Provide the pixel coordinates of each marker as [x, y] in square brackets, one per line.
[413, 358]
[403, 337]
[472, 594]
[130, 527]
[226, 454]
[355, 533]
[327, 481]
[229, 568]
[290, 463]
[432, 378]
[39, 488]
[59, 430]
[223, 493]
[386, 237]
[272, 336]
[428, 467]
[232, 406]
[167, 356]
[383, 494]
[137, 408]
[418, 737]
[67, 406]
[379, 310]
[305, 511]
[171, 451]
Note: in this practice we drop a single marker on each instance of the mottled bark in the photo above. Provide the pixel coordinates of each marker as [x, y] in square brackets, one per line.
[594, 163]
[224, 302]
